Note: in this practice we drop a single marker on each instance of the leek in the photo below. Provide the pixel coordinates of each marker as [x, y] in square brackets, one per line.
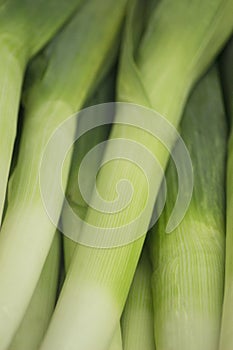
[25, 27]
[226, 339]
[36, 319]
[179, 43]
[104, 93]
[188, 263]
[70, 67]
[138, 316]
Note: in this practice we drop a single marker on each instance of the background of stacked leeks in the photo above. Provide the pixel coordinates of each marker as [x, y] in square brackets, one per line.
[165, 293]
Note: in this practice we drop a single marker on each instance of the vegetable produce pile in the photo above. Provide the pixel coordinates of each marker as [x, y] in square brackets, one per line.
[127, 106]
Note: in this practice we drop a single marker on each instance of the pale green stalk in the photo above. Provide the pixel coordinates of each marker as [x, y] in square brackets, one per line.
[188, 263]
[182, 40]
[74, 62]
[104, 93]
[37, 316]
[226, 338]
[25, 27]
[138, 316]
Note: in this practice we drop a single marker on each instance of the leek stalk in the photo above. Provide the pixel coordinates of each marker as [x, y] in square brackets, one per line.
[104, 93]
[188, 263]
[25, 27]
[36, 319]
[138, 316]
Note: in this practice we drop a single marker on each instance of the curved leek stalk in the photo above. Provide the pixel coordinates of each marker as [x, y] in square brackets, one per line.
[188, 263]
[138, 315]
[73, 64]
[25, 27]
[226, 338]
[104, 93]
[98, 281]
[36, 319]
